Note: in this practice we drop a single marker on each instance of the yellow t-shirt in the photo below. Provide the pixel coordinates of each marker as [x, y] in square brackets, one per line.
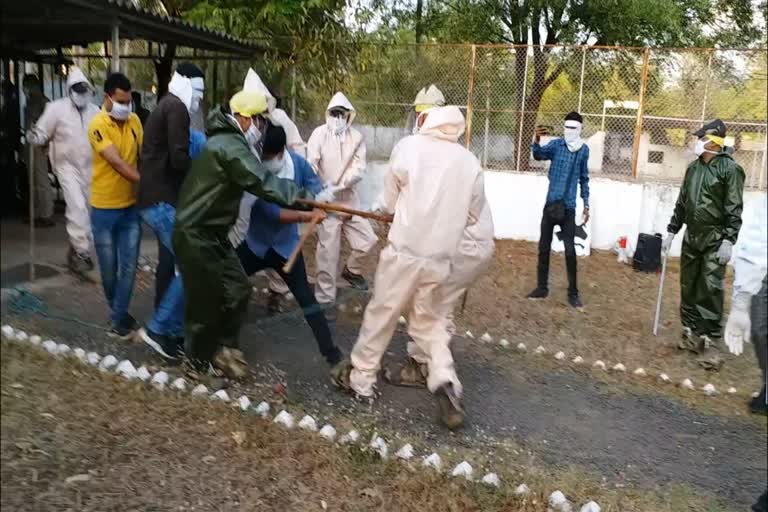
[108, 187]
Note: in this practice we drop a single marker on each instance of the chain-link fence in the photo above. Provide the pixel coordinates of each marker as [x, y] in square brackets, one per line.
[639, 105]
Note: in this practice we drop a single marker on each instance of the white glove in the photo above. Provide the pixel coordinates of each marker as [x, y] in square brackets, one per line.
[737, 329]
[724, 252]
[666, 244]
[378, 205]
[327, 195]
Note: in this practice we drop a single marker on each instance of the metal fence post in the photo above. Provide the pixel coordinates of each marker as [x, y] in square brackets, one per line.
[641, 104]
[581, 80]
[470, 93]
[31, 172]
[522, 110]
[293, 92]
[487, 121]
[706, 87]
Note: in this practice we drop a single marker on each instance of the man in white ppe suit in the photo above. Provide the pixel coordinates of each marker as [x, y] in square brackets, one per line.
[64, 124]
[434, 187]
[337, 153]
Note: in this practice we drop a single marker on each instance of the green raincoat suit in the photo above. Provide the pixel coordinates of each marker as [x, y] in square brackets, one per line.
[709, 204]
[215, 286]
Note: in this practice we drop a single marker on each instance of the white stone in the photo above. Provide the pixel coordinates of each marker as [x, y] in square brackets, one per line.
[401, 320]
[578, 360]
[79, 353]
[540, 350]
[491, 479]
[126, 369]
[351, 437]
[220, 395]
[755, 394]
[62, 349]
[686, 384]
[521, 347]
[709, 389]
[599, 365]
[108, 362]
[590, 507]
[732, 390]
[200, 389]
[8, 331]
[464, 469]
[469, 335]
[558, 502]
[92, 358]
[663, 377]
[380, 446]
[35, 339]
[143, 374]
[50, 346]
[328, 433]
[522, 490]
[640, 372]
[308, 423]
[21, 336]
[405, 453]
[181, 385]
[618, 367]
[342, 307]
[244, 403]
[285, 419]
[358, 309]
[265, 291]
[486, 338]
[504, 343]
[262, 409]
[433, 461]
[560, 356]
[160, 380]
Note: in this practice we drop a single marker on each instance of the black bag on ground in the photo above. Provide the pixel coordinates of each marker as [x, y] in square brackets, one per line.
[648, 253]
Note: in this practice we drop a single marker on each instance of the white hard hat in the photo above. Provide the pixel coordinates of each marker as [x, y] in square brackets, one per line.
[429, 97]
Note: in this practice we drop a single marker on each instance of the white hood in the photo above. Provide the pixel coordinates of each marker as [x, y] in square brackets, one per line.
[76, 76]
[339, 100]
[445, 123]
[181, 87]
[253, 83]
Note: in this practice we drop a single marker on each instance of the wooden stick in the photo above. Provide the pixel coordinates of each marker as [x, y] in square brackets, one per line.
[332, 207]
[297, 250]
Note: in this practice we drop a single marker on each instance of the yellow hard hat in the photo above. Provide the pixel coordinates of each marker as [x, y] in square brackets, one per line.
[248, 103]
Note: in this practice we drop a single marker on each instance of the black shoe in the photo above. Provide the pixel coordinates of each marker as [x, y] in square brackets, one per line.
[450, 409]
[330, 312]
[762, 503]
[274, 303]
[538, 293]
[356, 280]
[166, 346]
[79, 263]
[757, 405]
[575, 301]
[125, 331]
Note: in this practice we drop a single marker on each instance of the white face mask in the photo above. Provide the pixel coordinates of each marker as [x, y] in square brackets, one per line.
[337, 125]
[80, 99]
[253, 135]
[698, 148]
[120, 111]
[275, 165]
[572, 136]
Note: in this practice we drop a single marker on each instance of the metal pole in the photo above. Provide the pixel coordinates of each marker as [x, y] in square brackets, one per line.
[657, 316]
[706, 88]
[764, 169]
[522, 110]
[639, 123]
[215, 80]
[470, 92]
[581, 81]
[293, 93]
[487, 122]
[115, 46]
[31, 173]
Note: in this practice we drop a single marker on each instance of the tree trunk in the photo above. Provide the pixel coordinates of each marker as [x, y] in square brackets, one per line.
[164, 69]
[533, 101]
[419, 26]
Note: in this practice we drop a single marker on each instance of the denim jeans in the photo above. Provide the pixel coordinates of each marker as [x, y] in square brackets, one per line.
[116, 236]
[169, 312]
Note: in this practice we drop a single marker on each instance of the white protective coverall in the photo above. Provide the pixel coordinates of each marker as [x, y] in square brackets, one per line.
[339, 161]
[65, 128]
[434, 187]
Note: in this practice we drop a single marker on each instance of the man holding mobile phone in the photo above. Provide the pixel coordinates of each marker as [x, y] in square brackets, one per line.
[569, 156]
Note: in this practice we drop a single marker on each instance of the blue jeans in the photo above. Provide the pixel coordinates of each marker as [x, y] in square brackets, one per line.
[116, 236]
[169, 313]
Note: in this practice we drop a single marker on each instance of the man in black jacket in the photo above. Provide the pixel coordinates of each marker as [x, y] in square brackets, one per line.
[165, 162]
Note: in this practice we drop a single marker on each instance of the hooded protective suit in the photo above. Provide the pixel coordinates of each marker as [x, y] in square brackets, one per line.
[434, 187]
[709, 204]
[215, 286]
[65, 128]
[339, 161]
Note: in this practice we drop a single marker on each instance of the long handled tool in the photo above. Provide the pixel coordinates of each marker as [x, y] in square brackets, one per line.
[331, 207]
[297, 250]
[661, 291]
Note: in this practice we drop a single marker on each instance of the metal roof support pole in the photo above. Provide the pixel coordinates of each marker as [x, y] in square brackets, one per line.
[115, 46]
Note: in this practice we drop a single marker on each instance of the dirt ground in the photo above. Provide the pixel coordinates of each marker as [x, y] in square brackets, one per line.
[73, 438]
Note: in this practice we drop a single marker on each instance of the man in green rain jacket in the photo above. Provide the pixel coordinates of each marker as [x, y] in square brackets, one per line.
[709, 204]
[216, 288]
